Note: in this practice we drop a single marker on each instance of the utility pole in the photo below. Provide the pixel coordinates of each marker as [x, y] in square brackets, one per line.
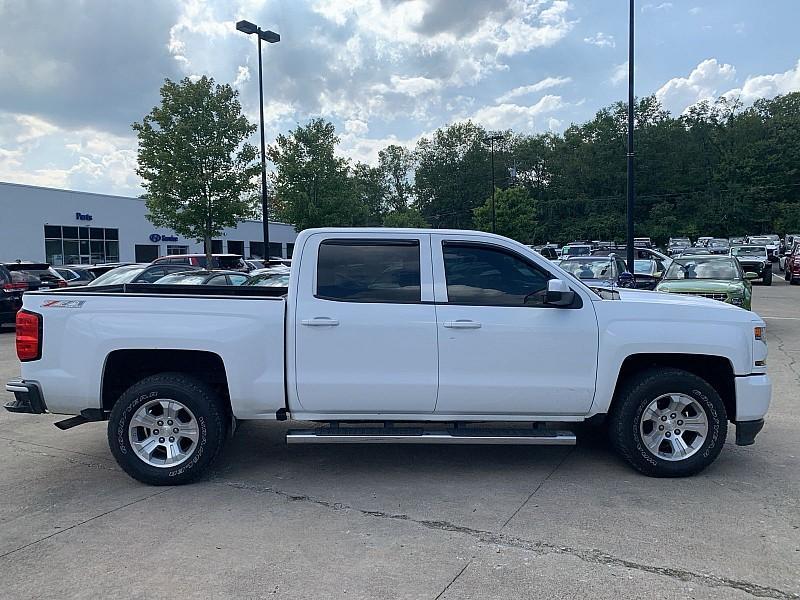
[491, 139]
[631, 191]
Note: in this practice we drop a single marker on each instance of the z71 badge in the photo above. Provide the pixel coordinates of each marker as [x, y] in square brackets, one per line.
[63, 304]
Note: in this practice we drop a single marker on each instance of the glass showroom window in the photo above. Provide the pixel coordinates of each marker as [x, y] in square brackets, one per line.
[177, 250]
[68, 245]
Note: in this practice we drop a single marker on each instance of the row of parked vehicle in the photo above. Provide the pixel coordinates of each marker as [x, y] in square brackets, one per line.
[185, 269]
[721, 269]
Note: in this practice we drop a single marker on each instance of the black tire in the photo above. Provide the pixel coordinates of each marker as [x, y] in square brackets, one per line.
[209, 411]
[633, 398]
[793, 281]
[767, 280]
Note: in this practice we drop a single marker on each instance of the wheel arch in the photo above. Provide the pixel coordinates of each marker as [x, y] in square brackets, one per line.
[716, 370]
[125, 367]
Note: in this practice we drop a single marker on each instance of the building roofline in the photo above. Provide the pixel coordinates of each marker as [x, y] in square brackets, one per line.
[52, 189]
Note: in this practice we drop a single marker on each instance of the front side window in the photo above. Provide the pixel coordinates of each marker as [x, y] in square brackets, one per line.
[484, 275]
[369, 271]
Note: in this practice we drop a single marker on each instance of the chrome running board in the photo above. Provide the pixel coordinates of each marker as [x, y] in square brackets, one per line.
[397, 435]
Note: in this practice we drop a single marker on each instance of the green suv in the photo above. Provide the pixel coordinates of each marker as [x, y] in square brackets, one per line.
[717, 277]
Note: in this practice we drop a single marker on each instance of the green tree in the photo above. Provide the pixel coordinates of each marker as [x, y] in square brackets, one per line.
[313, 186]
[197, 168]
[515, 212]
[396, 162]
[409, 217]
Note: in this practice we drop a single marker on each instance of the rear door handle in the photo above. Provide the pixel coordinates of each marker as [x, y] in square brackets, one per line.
[320, 322]
[462, 324]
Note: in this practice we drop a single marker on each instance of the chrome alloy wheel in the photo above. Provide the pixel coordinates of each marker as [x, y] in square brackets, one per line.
[163, 433]
[673, 426]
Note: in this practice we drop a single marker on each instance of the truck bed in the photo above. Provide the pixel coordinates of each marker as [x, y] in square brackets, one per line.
[155, 289]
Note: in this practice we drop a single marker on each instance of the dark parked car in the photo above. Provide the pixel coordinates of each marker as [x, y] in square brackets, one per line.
[271, 277]
[754, 259]
[678, 245]
[599, 271]
[718, 246]
[231, 262]
[139, 274]
[203, 277]
[19, 277]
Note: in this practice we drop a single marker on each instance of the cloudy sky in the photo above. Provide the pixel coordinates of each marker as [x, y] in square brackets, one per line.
[75, 74]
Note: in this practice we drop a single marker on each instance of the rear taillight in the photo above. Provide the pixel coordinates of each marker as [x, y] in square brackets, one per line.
[29, 336]
[15, 287]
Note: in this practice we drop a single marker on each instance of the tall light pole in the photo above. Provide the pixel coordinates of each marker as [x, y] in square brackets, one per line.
[631, 190]
[491, 139]
[270, 37]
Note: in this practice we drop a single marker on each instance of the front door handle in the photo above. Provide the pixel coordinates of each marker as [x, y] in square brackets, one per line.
[462, 324]
[320, 322]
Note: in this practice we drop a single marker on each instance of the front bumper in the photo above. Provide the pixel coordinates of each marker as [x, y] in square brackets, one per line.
[27, 397]
[753, 393]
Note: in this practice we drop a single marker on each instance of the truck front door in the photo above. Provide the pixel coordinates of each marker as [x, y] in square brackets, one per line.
[501, 349]
[365, 325]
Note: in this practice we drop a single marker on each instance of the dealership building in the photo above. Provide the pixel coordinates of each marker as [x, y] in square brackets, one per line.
[67, 227]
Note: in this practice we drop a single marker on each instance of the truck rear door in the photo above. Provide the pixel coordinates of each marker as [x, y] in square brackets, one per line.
[365, 324]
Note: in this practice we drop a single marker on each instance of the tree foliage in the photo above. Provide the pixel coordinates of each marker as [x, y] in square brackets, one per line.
[197, 168]
[720, 169]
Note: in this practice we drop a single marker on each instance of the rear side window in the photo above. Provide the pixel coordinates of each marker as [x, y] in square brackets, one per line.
[369, 271]
[488, 276]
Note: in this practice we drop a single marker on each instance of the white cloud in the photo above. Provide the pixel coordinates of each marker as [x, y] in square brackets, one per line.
[539, 86]
[414, 86]
[32, 127]
[356, 127]
[767, 86]
[242, 75]
[703, 83]
[601, 40]
[515, 116]
[619, 74]
[655, 7]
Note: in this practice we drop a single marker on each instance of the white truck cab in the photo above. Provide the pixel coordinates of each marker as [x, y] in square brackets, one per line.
[444, 331]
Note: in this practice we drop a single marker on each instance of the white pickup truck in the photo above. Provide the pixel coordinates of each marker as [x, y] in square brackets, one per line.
[395, 336]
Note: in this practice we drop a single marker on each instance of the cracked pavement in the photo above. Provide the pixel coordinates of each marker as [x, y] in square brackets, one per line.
[406, 522]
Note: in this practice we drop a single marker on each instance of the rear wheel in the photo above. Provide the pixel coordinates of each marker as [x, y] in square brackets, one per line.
[668, 423]
[767, 280]
[167, 429]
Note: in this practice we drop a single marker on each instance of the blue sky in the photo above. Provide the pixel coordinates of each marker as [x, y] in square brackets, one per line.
[384, 71]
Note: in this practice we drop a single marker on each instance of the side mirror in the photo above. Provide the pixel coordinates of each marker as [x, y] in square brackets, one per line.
[558, 293]
[750, 275]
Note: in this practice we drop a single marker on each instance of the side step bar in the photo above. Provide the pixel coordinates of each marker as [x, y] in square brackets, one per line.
[391, 435]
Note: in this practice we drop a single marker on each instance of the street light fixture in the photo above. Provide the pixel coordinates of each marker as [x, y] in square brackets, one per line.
[491, 139]
[270, 37]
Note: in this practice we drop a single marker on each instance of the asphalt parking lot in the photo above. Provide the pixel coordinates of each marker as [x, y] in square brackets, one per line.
[406, 522]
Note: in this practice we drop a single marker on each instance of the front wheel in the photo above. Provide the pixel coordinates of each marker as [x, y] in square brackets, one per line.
[668, 423]
[167, 429]
[767, 280]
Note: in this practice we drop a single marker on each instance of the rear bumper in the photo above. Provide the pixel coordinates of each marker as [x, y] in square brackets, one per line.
[27, 397]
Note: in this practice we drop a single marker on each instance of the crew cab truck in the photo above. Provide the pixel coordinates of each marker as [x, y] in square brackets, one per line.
[395, 336]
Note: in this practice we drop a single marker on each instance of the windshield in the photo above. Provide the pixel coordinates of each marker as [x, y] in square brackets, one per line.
[181, 279]
[699, 268]
[749, 251]
[576, 251]
[643, 266]
[588, 269]
[718, 243]
[115, 276]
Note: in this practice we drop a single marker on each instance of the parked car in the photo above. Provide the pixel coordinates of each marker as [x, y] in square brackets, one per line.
[230, 262]
[702, 241]
[83, 274]
[694, 252]
[203, 277]
[767, 241]
[788, 242]
[642, 242]
[737, 241]
[19, 277]
[648, 273]
[271, 277]
[754, 259]
[549, 252]
[599, 271]
[718, 246]
[367, 304]
[638, 254]
[792, 265]
[576, 250]
[141, 273]
[716, 277]
[678, 245]
[259, 263]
